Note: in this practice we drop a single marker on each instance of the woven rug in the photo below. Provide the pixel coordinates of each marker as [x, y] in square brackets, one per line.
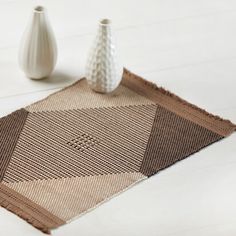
[66, 154]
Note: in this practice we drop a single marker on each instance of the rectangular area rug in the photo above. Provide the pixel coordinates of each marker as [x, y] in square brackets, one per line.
[65, 154]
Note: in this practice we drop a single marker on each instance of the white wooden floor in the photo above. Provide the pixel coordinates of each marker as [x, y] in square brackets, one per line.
[187, 46]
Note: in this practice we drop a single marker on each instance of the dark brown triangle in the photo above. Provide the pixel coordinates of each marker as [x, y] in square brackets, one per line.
[173, 138]
[10, 129]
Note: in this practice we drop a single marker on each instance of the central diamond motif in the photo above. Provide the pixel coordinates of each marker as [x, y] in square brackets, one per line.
[83, 141]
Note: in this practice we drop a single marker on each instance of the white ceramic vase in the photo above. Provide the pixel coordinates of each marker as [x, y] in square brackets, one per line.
[38, 50]
[103, 72]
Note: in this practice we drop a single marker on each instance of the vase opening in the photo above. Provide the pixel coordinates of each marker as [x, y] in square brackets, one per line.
[105, 22]
[39, 9]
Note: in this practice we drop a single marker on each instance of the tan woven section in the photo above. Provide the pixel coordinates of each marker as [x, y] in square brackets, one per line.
[68, 198]
[45, 149]
[80, 96]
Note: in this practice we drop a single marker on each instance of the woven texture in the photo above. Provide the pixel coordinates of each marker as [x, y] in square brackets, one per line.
[64, 155]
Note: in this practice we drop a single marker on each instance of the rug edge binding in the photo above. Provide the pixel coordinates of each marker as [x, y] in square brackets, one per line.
[22, 210]
[129, 78]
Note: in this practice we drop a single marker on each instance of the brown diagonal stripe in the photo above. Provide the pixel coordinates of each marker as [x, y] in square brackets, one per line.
[45, 149]
[173, 138]
[10, 129]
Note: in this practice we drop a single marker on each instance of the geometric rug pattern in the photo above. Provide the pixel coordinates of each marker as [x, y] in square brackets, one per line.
[62, 156]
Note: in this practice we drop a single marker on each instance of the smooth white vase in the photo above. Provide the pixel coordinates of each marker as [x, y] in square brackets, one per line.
[38, 49]
[103, 72]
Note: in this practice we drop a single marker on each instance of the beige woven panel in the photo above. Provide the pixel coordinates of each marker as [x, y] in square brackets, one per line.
[61, 198]
[79, 96]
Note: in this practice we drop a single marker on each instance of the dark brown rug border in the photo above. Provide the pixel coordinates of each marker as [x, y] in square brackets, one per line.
[177, 105]
[26, 209]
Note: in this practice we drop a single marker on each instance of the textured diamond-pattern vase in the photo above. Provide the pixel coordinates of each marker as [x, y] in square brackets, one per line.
[103, 72]
[38, 50]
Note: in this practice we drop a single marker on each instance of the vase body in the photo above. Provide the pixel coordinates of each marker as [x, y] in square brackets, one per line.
[103, 72]
[38, 50]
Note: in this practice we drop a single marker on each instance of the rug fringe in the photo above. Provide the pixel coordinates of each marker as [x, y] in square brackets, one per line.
[24, 215]
[177, 98]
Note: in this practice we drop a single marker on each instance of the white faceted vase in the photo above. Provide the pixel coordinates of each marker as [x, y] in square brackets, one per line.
[103, 72]
[38, 50]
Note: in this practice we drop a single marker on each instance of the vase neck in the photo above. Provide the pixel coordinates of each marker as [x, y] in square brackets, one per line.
[105, 26]
[39, 14]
